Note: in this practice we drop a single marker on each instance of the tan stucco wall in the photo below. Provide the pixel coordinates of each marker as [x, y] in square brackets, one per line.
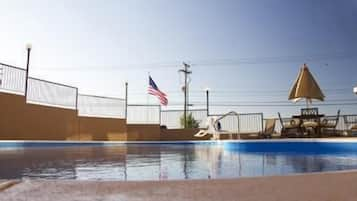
[21, 121]
[141, 132]
[91, 128]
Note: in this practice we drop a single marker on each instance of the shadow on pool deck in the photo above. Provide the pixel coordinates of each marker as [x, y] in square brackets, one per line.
[335, 186]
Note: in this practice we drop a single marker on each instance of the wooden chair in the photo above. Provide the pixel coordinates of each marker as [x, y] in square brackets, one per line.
[329, 124]
[290, 127]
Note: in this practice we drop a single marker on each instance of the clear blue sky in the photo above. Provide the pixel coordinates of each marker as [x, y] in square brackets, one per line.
[245, 51]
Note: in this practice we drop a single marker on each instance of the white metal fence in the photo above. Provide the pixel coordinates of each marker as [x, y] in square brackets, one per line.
[12, 79]
[172, 118]
[51, 94]
[143, 114]
[98, 106]
[42, 92]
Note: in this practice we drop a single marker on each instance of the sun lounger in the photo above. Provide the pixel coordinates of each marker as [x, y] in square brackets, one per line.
[201, 133]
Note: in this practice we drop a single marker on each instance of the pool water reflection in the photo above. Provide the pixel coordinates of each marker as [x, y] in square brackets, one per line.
[160, 162]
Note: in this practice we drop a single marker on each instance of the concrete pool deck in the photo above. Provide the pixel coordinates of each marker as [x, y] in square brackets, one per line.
[331, 186]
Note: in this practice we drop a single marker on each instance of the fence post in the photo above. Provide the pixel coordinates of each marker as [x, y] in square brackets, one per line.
[126, 101]
[77, 100]
[238, 117]
[262, 117]
[207, 102]
[160, 114]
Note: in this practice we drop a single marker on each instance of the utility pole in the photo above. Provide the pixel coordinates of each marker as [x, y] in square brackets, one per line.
[186, 72]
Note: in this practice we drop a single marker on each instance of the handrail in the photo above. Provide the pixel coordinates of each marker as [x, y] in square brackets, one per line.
[229, 114]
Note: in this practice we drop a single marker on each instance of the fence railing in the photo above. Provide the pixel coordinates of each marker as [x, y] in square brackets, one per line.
[97, 106]
[143, 114]
[42, 92]
[51, 94]
[12, 79]
[251, 122]
[172, 118]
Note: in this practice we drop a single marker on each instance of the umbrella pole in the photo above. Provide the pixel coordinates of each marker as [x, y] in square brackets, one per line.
[307, 103]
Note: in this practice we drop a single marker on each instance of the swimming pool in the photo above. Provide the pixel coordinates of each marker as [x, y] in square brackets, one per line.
[173, 160]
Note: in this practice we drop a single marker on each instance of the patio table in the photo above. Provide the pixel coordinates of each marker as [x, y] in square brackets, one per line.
[314, 117]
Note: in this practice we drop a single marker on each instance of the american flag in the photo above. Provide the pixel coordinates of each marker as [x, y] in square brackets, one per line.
[154, 90]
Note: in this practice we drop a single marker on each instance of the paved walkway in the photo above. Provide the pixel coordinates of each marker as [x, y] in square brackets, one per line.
[311, 187]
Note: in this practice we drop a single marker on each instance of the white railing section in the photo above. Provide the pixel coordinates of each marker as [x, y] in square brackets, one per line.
[143, 114]
[172, 118]
[51, 94]
[12, 79]
[97, 106]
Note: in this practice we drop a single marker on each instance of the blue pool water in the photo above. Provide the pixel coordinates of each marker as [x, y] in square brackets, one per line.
[168, 161]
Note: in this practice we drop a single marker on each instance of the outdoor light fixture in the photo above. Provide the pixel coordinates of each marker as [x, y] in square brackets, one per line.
[355, 90]
[28, 46]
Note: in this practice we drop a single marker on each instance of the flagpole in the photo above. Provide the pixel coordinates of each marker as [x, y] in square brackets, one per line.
[147, 101]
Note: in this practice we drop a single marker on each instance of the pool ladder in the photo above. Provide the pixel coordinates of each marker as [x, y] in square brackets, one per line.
[231, 113]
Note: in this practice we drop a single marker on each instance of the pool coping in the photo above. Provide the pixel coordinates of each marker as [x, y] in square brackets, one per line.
[184, 141]
[318, 187]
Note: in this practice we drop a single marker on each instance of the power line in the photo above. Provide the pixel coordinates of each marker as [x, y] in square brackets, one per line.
[243, 91]
[210, 62]
[340, 101]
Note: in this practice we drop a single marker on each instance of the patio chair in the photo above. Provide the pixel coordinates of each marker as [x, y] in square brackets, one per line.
[314, 111]
[269, 128]
[329, 124]
[290, 127]
[310, 121]
[351, 124]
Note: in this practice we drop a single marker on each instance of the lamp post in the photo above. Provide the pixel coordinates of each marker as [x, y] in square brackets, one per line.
[28, 47]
